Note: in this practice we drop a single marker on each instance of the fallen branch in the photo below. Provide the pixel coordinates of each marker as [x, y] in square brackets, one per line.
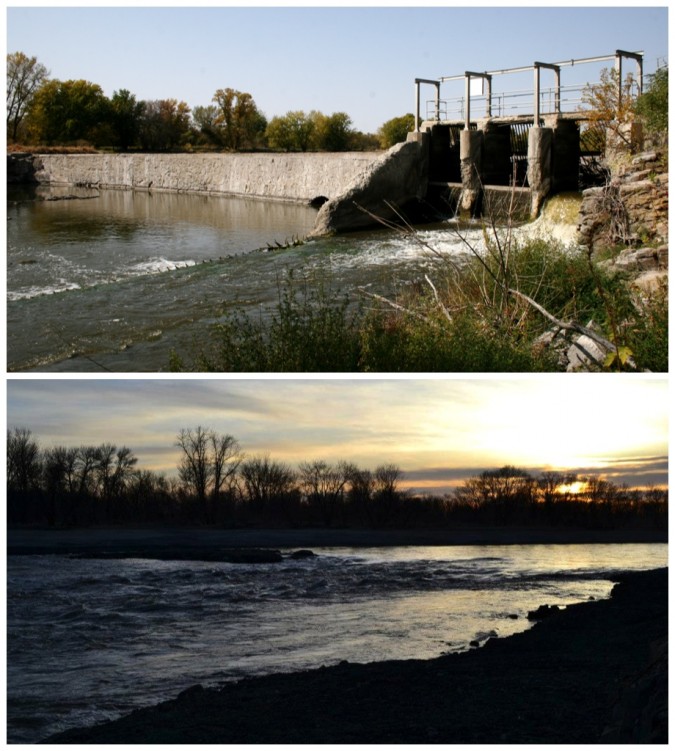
[597, 338]
[396, 306]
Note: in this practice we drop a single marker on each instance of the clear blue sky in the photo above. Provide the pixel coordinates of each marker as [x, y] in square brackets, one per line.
[358, 60]
[437, 430]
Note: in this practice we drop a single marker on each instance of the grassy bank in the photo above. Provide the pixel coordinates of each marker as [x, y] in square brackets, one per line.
[515, 307]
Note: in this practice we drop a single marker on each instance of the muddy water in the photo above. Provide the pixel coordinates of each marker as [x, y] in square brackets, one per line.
[115, 280]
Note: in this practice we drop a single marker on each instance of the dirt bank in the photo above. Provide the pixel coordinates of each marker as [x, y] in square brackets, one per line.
[95, 540]
[593, 673]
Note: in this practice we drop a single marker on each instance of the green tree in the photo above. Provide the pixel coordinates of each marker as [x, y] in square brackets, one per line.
[652, 105]
[395, 130]
[239, 120]
[292, 132]
[25, 75]
[69, 111]
[125, 119]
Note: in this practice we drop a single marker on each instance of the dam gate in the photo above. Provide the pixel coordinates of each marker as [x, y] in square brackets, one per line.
[532, 141]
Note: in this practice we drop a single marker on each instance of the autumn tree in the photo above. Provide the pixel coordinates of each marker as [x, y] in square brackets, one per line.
[611, 106]
[238, 121]
[25, 75]
[164, 125]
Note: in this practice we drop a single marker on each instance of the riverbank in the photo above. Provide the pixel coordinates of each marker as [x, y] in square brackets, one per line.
[145, 542]
[593, 673]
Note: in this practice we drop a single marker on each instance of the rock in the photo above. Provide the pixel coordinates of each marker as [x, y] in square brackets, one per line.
[650, 281]
[300, 554]
[642, 259]
[543, 611]
[640, 194]
[584, 354]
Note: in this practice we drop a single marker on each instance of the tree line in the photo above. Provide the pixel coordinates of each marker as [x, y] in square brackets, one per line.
[217, 484]
[50, 112]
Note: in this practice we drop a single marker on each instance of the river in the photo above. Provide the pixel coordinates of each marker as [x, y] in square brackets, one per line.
[114, 280]
[89, 640]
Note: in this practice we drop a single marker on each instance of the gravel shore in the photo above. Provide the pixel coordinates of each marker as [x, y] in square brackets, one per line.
[592, 673]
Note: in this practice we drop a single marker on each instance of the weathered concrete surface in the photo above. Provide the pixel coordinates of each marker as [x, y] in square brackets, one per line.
[398, 177]
[288, 177]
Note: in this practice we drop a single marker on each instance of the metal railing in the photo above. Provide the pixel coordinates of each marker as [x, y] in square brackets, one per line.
[533, 102]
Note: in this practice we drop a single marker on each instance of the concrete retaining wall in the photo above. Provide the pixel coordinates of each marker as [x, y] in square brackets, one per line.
[287, 177]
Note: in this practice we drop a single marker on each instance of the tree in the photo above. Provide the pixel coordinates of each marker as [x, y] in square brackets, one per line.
[238, 119]
[226, 457]
[208, 463]
[386, 493]
[292, 132]
[652, 105]
[195, 469]
[395, 130]
[69, 111]
[25, 75]
[332, 132]
[611, 105]
[266, 481]
[125, 119]
[324, 485]
[164, 125]
[205, 119]
[23, 460]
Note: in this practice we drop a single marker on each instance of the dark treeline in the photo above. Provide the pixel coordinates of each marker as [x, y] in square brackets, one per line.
[218, 485]
[49, 112]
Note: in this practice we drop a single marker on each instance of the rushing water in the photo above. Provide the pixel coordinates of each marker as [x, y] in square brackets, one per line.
[114, 280]
[89, 640]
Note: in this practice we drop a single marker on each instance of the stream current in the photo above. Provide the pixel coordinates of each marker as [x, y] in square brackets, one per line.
[115, 280]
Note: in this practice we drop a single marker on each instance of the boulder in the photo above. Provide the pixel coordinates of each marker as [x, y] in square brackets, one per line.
[543, 611]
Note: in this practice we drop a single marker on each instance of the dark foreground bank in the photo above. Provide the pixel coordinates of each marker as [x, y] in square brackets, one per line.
[593, 673]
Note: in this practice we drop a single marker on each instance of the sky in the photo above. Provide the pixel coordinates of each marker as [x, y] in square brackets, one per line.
[353, 59]
[439, 431]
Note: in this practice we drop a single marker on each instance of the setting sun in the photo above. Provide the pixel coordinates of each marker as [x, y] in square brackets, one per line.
[573, 488]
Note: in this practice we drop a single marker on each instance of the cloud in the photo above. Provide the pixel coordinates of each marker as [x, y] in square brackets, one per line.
[449, 425]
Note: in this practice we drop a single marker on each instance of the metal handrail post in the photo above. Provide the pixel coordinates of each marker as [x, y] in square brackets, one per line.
[467, 91]
[417, 106]
[488, 101]
[536, 95]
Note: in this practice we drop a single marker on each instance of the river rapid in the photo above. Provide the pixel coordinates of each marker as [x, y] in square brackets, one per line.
[115, 280]
[90, 640]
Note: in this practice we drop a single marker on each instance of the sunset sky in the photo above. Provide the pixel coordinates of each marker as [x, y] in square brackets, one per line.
[438, 430]
[358, 60]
